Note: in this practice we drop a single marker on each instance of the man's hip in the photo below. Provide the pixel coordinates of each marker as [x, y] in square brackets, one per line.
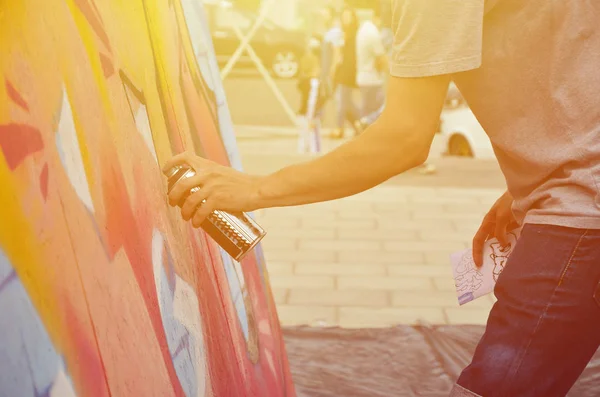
[544, 328]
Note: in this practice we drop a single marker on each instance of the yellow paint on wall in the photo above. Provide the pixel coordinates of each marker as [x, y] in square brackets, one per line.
[19, 242]
[87, 36]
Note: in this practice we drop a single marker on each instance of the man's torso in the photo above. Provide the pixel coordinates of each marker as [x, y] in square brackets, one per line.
[536, 95]
[529, 71]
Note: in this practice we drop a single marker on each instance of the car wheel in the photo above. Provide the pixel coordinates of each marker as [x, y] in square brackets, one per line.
[459, 146]
[285, 64]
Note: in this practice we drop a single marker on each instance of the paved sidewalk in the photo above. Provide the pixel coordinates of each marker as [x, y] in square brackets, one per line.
[378, 258]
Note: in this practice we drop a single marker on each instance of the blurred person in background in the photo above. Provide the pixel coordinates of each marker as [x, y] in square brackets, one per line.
[344, 75]
[311, 99]
[332, 38]
[372, 67]
[536, 96]
[387, 35]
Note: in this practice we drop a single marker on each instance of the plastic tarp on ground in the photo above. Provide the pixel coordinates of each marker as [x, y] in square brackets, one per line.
[399, 361]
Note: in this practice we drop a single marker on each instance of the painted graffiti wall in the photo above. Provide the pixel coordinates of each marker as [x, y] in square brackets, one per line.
[104, 290]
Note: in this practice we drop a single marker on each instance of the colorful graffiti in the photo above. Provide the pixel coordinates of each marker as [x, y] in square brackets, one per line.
[104, 290]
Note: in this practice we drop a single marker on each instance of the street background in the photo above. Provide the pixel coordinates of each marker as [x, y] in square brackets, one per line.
[376, 259]
[251, 102]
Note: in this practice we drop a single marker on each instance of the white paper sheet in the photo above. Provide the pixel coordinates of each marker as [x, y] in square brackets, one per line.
[472, 282]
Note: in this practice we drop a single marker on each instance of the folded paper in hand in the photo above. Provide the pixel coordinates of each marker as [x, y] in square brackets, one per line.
[472, 282]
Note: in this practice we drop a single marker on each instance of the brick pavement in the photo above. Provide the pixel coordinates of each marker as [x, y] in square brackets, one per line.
[376, 259]
[379, 258]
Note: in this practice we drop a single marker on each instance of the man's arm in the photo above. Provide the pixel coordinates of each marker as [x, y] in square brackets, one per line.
[433, 39]
[398, 141]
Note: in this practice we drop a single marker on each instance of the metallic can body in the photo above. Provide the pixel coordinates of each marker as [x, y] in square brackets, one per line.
[236, 233]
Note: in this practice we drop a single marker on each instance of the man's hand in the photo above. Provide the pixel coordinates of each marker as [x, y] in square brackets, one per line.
[223, 188]
[498, 221]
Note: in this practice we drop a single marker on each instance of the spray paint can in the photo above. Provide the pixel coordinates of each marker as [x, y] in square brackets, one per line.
[236, 233]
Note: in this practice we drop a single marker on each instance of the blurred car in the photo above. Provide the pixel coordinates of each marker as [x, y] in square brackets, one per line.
[279, 48]
[461, 132]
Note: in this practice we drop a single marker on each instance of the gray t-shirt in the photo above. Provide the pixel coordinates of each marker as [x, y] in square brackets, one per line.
[529, 71]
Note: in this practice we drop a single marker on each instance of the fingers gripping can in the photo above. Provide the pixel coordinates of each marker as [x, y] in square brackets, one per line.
[236, 233]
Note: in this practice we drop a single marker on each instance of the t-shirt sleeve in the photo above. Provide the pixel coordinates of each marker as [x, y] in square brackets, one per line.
[435, 37]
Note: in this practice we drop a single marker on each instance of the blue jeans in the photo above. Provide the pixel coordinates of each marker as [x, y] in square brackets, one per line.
[545, 326]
